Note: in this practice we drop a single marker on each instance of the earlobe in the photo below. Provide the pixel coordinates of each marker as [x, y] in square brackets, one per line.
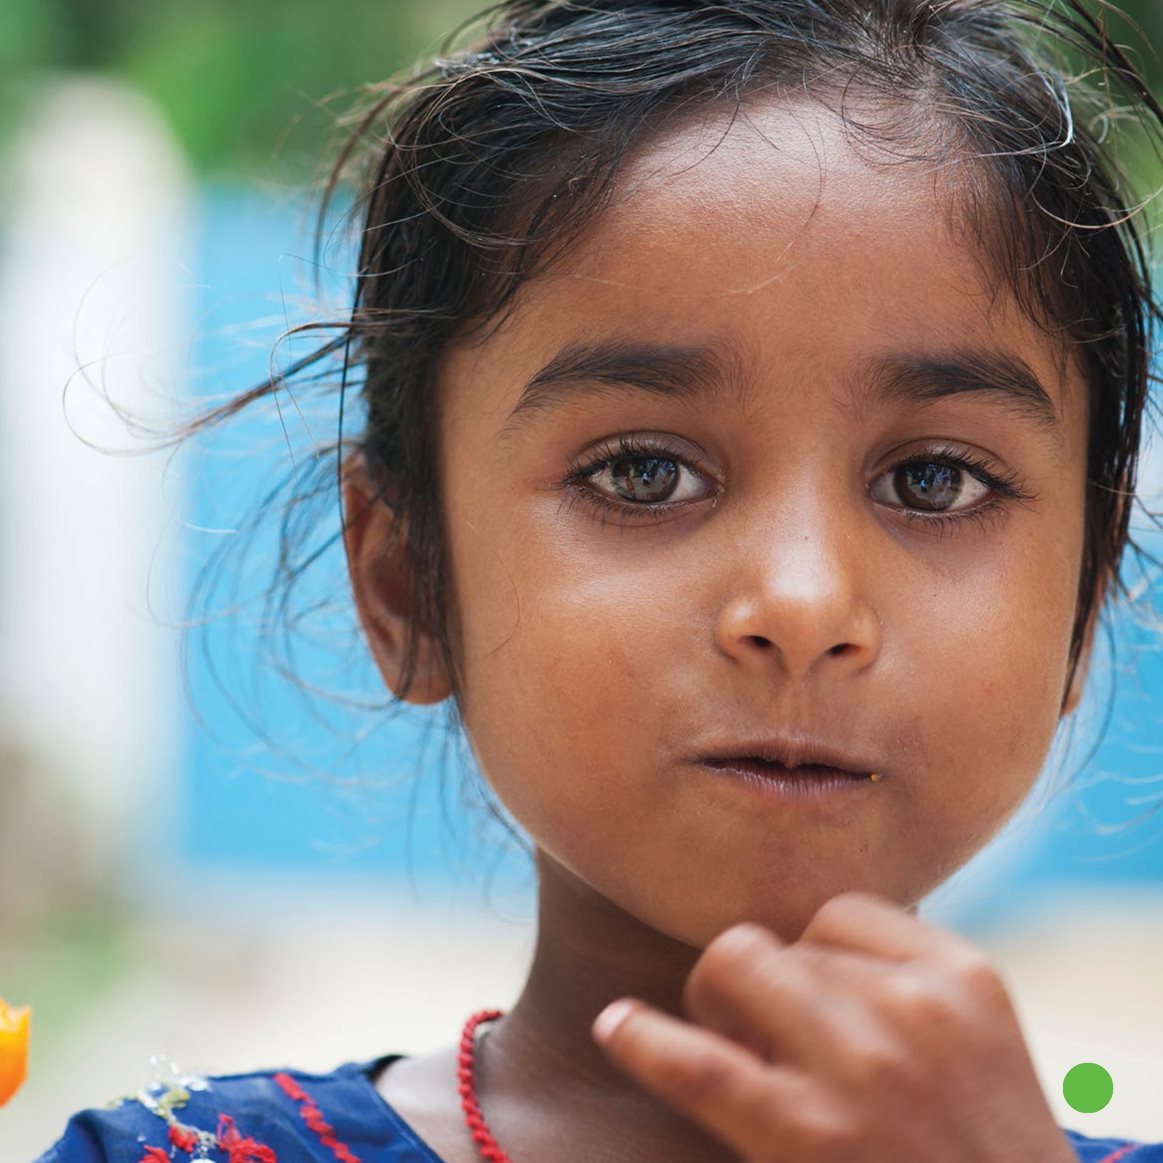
[381, 584]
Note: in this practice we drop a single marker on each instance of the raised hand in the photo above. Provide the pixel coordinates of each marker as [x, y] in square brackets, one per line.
[875, 1038]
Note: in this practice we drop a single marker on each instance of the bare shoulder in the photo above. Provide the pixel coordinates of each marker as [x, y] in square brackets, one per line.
[423, 1091]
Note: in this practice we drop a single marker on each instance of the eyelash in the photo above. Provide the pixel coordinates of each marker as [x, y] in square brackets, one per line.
[1007, 487]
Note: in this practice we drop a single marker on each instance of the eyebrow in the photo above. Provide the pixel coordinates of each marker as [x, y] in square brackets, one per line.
[924, 379]
[587, 369]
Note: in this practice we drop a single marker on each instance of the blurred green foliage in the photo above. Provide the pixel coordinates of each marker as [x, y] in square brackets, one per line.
[255, 85]
[246, 84]
[65, 965]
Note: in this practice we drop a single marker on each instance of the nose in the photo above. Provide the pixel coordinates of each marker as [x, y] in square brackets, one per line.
[801, 601]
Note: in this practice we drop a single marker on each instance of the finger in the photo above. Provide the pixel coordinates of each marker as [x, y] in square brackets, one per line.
[935, 969]
[710, 992]
[703, 1076]
[864, 922]
[792, 1004]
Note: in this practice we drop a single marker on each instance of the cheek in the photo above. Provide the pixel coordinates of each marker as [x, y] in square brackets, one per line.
[999, 687]
[560, 673]
[1034, 621]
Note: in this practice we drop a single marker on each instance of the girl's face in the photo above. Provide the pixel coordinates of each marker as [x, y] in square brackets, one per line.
[785, 547]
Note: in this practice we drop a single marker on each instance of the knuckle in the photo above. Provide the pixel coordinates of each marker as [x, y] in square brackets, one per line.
[918, 1000]
[981, 978]
[873, 1065]
[932, 1002]
[733, 951]
[835, 909]
[807, 959]
[844, 902]
[824, 1131]
[740, 942]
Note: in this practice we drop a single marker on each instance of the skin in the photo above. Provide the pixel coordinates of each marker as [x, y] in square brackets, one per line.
[790, 998]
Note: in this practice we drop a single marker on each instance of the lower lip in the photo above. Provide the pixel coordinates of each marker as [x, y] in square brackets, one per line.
[804, 783]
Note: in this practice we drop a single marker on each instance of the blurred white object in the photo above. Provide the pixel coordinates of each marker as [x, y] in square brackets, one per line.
[94, 300]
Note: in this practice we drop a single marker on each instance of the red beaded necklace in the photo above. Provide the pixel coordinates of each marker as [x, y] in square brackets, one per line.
[478, 1128]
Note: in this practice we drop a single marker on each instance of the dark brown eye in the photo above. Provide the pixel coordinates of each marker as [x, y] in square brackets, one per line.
[644, 478]
[640, 474]
[928, 484]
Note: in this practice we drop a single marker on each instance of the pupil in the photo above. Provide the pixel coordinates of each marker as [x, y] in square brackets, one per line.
[932, 486]
[646, 478]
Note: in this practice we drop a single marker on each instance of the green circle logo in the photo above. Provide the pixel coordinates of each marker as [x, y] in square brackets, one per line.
[1087, 1087]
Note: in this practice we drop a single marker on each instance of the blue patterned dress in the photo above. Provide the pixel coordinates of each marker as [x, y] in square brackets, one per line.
[289, 1116]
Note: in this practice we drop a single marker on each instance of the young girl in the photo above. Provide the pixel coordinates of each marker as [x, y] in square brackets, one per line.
[754, 393]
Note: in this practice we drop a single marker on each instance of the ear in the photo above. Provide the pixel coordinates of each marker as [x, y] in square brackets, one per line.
[381, 583]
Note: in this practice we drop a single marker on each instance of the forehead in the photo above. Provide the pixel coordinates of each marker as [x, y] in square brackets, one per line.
[773, 232]
[781, 190]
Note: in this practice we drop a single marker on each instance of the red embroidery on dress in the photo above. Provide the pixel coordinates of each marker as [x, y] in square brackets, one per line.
[314, 1119]
[1121, 1153]
[184, 1138]
[155, 1155]
[175, 1095]
[239, 1149]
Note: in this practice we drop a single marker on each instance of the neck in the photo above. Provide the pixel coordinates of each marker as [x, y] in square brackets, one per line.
[542, 1057]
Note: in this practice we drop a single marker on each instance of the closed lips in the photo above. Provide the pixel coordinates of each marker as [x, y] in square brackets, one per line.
[754, 762]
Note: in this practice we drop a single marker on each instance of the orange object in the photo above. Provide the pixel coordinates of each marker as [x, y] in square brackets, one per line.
[13, 1049]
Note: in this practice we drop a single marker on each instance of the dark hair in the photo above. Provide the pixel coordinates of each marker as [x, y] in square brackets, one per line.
[477, 173]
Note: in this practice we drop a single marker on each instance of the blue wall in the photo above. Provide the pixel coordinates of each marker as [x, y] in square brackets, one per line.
[390, 807]
[252, 263]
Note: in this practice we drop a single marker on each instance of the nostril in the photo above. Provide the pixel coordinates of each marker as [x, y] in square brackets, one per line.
[841, 648]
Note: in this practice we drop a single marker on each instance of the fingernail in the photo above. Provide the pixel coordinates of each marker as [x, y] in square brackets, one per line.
[610, 1019]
